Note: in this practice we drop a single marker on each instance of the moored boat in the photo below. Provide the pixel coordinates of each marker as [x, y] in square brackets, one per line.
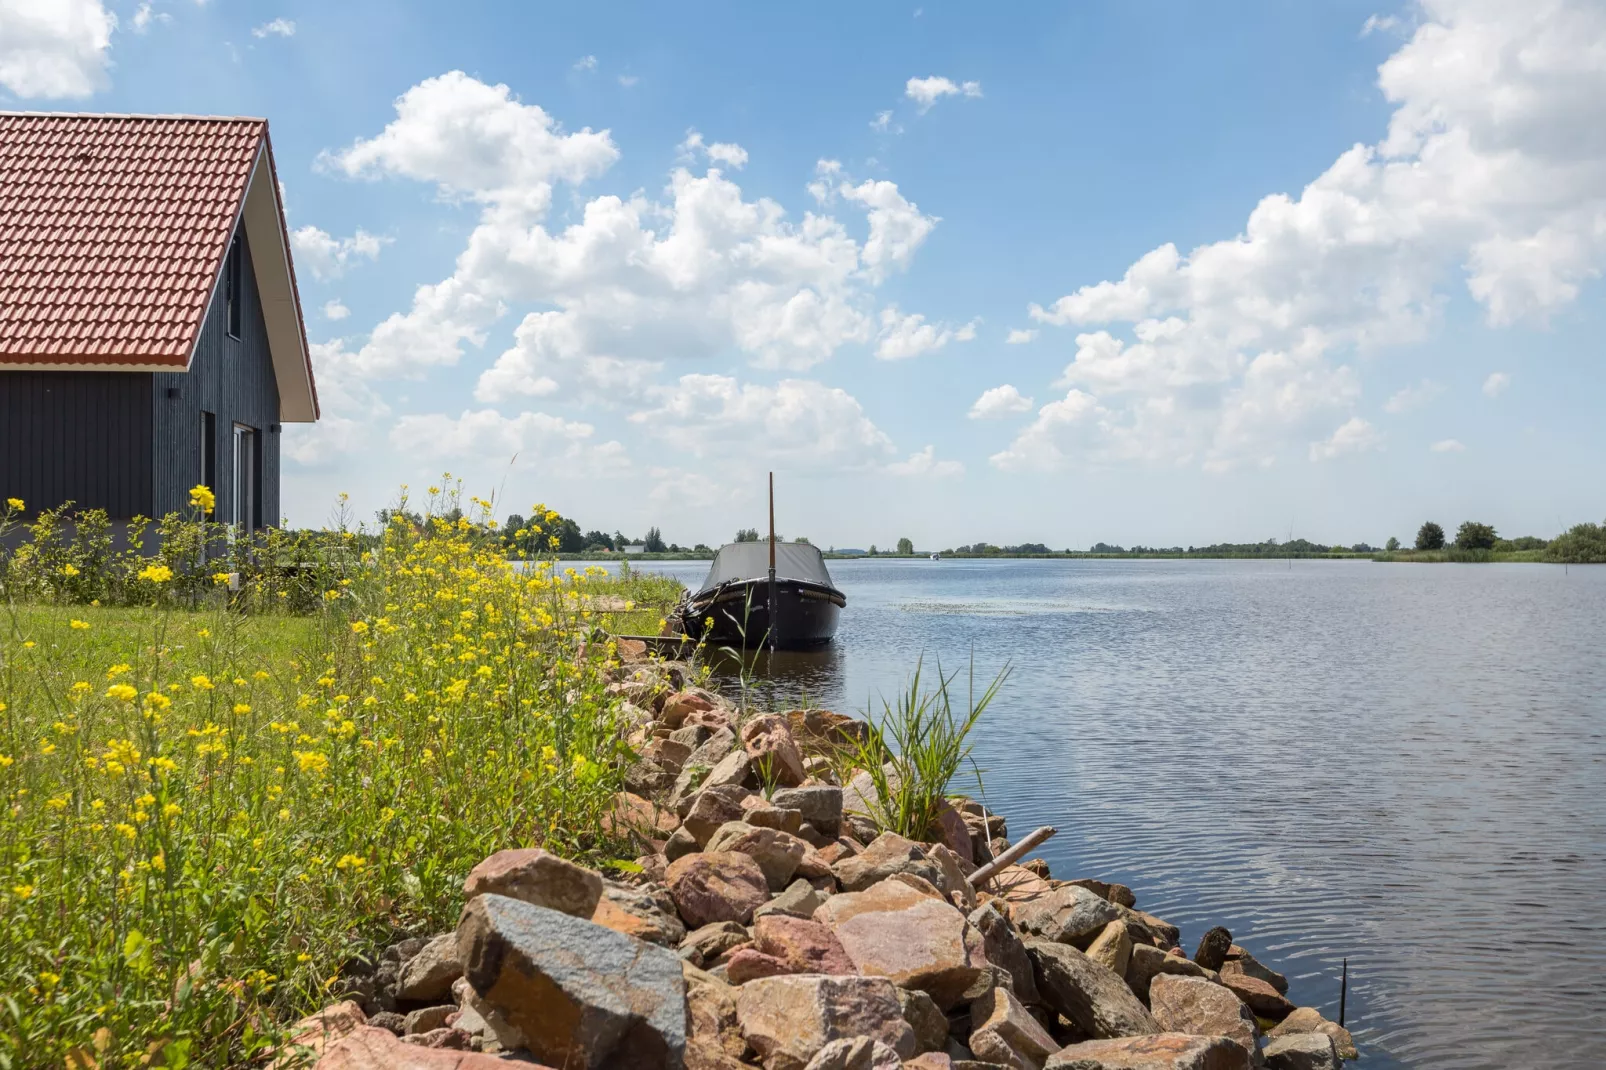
[733, 605]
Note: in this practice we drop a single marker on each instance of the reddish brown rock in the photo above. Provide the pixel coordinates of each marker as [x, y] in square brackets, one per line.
[1203, 1008]
[1018, 886]
[713, 807]
[777, 853]
[1163, 1051]
[806, 946]
[671, 754]
[749, 964]
[1146, 963]
[823, 726]
[710, 1020]
[679, 706]
[761, 813]
[1069, 914]
[367, 1048]
[531, 875]
[1241, 961]
[633, 814]
[955, 835]
[316, 1032]
[896, 931]
[1258, 996]
[1005, 950]
[888, 854]
[787, 1020]
[1003, 1032]
[769, 744]
[716, 886]
[855, 1053]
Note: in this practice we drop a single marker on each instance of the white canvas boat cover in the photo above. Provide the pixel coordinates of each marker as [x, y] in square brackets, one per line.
[751, 561]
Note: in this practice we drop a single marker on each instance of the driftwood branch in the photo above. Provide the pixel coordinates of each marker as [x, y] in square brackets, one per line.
[987, 872]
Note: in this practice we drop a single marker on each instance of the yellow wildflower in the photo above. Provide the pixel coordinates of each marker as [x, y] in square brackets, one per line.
[121, 692]
[68, 570]
[126, 829]
[117, 670]
[311, 761]
[14, 503]
[78, 625]
[241, 709]
[156, 573]
[21, 891]
[201, 682]
[202, 497]
[359, 626]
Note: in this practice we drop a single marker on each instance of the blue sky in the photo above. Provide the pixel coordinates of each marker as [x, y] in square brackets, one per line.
[1325, 267]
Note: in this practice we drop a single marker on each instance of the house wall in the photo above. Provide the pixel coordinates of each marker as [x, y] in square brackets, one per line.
[232, 378]
[82, 437]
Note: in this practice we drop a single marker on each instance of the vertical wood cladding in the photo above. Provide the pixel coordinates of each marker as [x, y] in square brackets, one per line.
[232, 378]
[82, 437]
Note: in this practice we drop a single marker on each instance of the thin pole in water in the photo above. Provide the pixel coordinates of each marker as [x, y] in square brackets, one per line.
[774, 621]
[1343, 992]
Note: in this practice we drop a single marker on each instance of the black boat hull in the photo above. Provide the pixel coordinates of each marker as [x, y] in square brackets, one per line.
[736, 614]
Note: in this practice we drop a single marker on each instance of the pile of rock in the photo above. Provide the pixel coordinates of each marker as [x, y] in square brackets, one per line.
[781, 928]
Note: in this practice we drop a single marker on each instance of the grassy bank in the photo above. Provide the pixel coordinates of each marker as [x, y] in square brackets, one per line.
[208, 812]
[1453, 555]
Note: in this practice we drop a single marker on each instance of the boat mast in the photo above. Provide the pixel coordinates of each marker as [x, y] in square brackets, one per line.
[774, 619]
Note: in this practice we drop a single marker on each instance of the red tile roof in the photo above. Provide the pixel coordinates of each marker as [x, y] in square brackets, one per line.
[112, 229]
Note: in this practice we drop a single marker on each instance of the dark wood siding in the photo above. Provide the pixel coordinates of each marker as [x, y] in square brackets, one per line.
[83, 437]
[232, 378]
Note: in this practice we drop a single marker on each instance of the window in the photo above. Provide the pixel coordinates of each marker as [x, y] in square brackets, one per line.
[209, 451]
[232, 296]
[244, 515]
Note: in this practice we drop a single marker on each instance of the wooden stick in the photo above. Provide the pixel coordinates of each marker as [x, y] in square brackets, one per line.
[987, 872]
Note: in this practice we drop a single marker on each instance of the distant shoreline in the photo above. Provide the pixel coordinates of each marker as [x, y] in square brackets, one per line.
[1419, 557]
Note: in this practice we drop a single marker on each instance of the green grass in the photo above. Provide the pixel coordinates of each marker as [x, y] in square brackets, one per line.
[651, 595]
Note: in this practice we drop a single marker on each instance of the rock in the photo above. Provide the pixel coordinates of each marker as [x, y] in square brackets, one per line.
[444, 1038]
[693, 736]
[671, 754]
[1003, 1032]
[820, 805]
[1112, 947]
[717, 886]
[749, 964]
[954, 884]
[705, 944]
[769, 743]
[734, 768]
[889, 853]
[711, 1021]
[1147, 963]
[805, 946]
[1018, 885]
[1154, 931]
[1091, 996]
[426, 1019]
[1259, 996]
[1166, 1051]
[1241, 961]
[679, 706]
[1302, 1051]
[862, 799]
[708, 754]
[1069, 914]
[895, 931]
[1194, 1005]
[930, 1025]
[638, 913]
[633, 814]
[787, 1020]
[390, 1020]
[800, 899]
[955, 834]
[1310, 1020]
[581, 995]
[823, 726]
[679, 845]
[367, 1048]
[646, 777]
[760, 813]
[314, 1033]
[428, 975]
[931, 1060]
[533, 876]
[855, 1053]
[777, 853]
[1004, 949]
[712, 808]
[1213, 948]
[478, 1018]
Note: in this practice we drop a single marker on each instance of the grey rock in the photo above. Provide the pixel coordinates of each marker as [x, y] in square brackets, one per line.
[646, 777]
[887, 855]
[777, 853]
[734, 768]
[820, 805]
[1092, 997]
[680, 843]
[705, 945]
[1164, 1051]
[390, 1020]
[1004, 949]
[1302, 1051]
[428, 975]
[800, 898]
[537, 877]
[787, 1020]
[1310, 1020]
[692, 737]
[582, 995]
[712, 808]
[426, 1019]
[1068, 914]
[1243, 962]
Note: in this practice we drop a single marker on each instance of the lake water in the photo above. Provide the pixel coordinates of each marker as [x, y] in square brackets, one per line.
[1401, 764]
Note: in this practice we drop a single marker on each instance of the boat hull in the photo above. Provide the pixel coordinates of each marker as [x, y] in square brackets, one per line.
[737, 615]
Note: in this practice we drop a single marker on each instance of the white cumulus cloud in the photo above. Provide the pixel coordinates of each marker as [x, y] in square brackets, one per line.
[53, 49]
[1496, 384]
[1413, 397]
[536, 438]
[1447, 445]
[924, 463]
[334, 310]
[279, 27]
[727, 153]
[1019, 336]
[1000, 401]
[902, 337]
[1493, 166]
[1354, 435]
[927, 91]
[326, 256]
